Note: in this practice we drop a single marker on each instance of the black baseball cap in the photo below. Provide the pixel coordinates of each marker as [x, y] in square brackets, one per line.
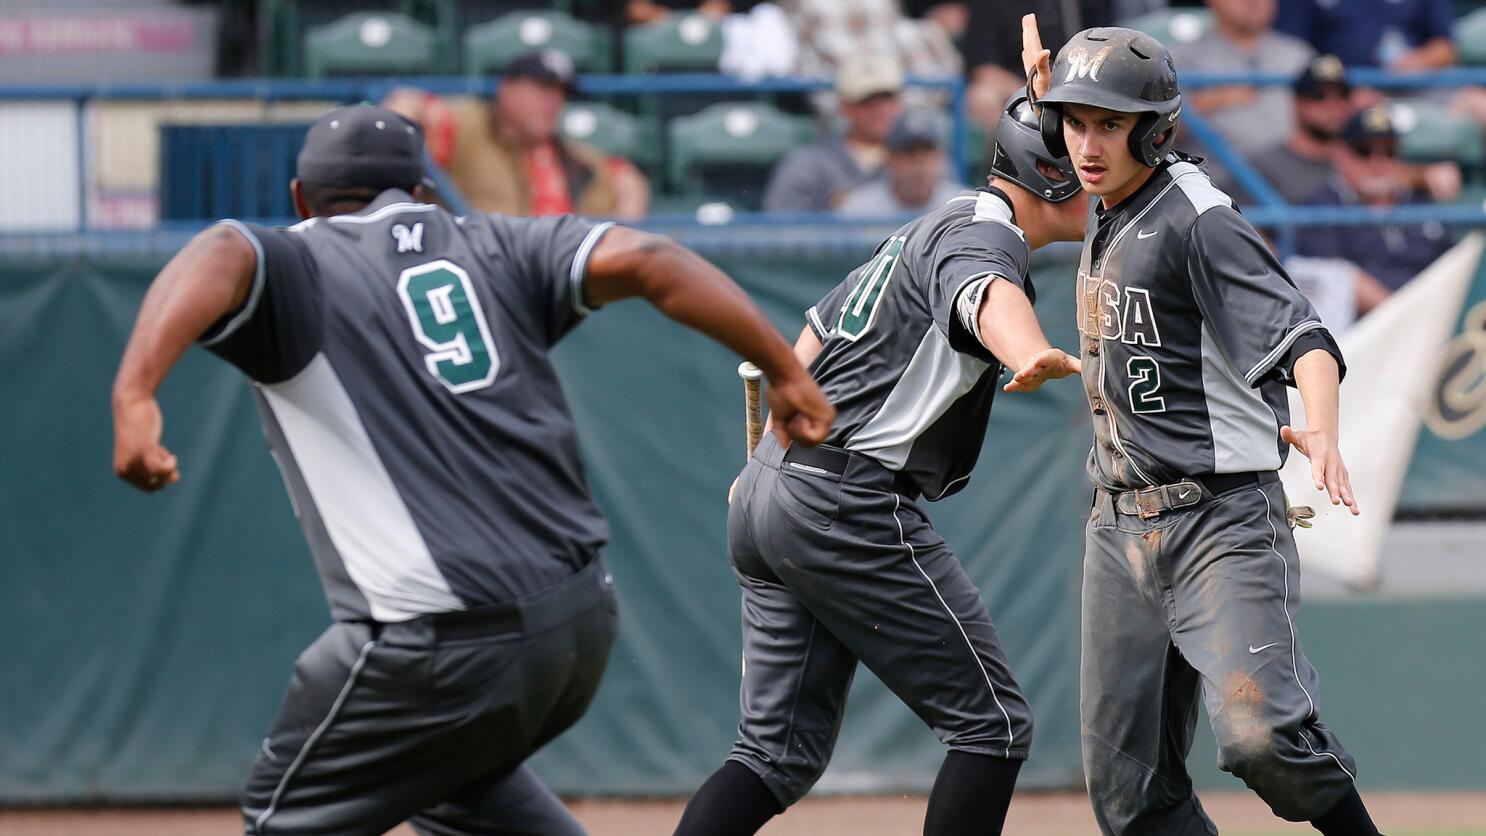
[547, 65]
[362, 146]
[916, 128]
[1326, 71]
[1370, 125]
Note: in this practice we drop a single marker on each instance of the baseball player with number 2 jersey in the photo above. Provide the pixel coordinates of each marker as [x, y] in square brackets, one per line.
[1190, 331]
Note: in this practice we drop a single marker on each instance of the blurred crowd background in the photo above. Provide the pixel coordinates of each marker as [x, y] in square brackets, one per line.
[638, 109]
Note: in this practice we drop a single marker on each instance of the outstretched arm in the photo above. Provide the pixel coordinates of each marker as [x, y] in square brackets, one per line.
[1008, 328]
[1317, 376]
[206, 280]
[685, 287]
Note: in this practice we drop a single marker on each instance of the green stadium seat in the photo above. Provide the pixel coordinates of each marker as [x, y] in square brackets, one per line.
[1429, 131]
[372, 43]
[727, 149]
[490, 47]
[1470, 38]
[1173, 26]
[680, 42]
[610, 130]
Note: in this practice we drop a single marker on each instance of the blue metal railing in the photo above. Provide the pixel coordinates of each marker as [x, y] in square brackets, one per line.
[1270, 211]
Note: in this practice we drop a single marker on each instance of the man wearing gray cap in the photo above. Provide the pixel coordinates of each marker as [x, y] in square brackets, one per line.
[814, 178]
[915, 178]
[399, 356]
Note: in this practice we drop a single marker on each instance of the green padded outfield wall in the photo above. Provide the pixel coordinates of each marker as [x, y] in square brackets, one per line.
[149, 638]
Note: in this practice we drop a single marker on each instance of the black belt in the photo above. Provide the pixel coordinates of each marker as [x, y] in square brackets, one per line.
[1151, 502]
[833, 461]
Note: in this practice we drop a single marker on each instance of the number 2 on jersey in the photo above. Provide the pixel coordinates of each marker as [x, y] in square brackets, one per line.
[861, 306]
[1145, 377]
[447, 320]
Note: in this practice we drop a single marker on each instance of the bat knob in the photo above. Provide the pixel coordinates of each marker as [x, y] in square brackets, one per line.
[749, 371]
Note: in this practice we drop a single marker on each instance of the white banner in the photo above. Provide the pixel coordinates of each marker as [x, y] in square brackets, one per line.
[1391, 355]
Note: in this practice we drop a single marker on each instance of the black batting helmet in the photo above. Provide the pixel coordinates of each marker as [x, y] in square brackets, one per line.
[1019, 148]
[1121, 70]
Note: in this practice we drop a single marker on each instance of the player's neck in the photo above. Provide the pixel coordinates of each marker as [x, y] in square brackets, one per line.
[1133, 185]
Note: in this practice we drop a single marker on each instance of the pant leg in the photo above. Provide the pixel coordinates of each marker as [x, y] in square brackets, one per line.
[511, 803]
[1237, 597]
[796, 675]
[1138, 696]
[869, 566]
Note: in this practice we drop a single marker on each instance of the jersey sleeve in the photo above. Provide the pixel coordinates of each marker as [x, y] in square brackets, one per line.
[551, 259]
[1260, 321]
[964, 261]
[823, 315]
[279, 327]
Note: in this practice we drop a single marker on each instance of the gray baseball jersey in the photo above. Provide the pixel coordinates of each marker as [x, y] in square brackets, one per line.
[900, 360]
[401, 369]
[1190, 329]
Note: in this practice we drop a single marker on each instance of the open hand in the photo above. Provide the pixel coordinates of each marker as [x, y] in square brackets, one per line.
[1049, 364]
[1327, 469]
[1036, 61]
[799, 410]
[139, 458]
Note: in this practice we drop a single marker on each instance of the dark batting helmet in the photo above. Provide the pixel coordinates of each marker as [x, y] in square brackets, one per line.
[1019, 149]
[1121, 70]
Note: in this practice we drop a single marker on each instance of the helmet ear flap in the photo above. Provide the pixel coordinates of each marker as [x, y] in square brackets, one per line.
[1151, 138]
[1051, 123]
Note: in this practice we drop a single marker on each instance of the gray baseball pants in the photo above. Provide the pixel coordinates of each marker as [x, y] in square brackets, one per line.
[1199, 602]
[837, 568]
[429, 720]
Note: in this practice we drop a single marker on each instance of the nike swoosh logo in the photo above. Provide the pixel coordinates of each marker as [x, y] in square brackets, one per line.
[1183, 494]
[1146, 233]
[1253, 649]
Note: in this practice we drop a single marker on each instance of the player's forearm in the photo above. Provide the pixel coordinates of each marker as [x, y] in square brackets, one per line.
[688, 289]
[1318, 378]
[1434, 54]
[1008, 326]
[210, 277]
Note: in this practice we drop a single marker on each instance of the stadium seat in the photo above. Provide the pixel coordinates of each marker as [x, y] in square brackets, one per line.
[610, 130]
[490, 47]
[726, 150]
[680, 42]
[1470, 38]
[1173, 26]
[1429, 131]
[372, 43]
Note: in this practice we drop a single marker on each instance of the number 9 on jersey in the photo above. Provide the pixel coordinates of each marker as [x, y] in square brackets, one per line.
[447, 320]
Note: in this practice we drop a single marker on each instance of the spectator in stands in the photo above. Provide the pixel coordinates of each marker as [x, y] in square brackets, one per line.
[1302, 165]
[1371, 174]
[832, 31]
[915, 180]
[1241, 40]
[993, 46]
[813, 178]
[508, 157]
[1397, 34]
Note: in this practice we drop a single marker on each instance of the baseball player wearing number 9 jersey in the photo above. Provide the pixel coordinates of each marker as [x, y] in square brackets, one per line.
[837, 561]
[400, 361]
[1190, 332]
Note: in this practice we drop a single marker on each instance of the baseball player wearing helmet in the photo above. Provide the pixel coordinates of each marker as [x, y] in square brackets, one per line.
[399, 356]
[837, 561]
[1190, 332]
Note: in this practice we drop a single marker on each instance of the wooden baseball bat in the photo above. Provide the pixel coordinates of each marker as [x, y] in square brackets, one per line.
[752, 403]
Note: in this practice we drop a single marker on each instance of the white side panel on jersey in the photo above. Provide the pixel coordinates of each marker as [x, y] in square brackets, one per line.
[384, 554]
[989, 207]
[935, 378]
[1198, 188]
[1245, 430]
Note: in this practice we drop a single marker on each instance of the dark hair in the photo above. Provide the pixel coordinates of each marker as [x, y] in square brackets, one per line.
[339, 200]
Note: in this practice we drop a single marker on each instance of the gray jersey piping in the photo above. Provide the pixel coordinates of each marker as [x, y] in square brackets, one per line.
[259, 277]
[1269, 359]
[820, 327]
[1202, 193]
[389, 209]
[578, 272]
[1114, 427]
